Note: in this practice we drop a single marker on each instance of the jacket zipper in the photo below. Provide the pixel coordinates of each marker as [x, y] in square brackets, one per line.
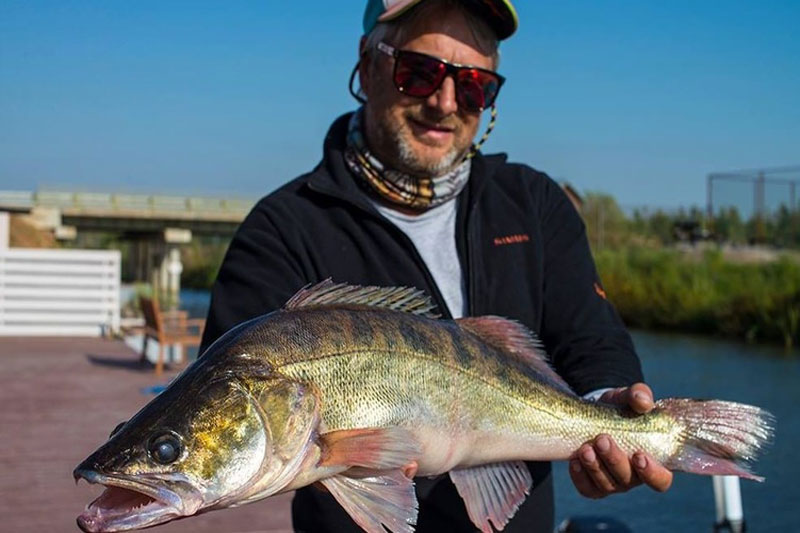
[469, 264]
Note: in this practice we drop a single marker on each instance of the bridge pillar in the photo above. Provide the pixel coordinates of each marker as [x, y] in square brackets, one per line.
[162, 256]
[46, 218]
[50, 219]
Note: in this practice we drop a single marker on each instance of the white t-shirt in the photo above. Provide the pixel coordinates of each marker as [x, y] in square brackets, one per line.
[433, 233]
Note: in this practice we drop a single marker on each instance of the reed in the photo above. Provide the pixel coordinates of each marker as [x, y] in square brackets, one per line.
[666, 289]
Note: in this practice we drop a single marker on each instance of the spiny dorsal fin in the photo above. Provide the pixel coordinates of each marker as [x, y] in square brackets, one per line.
[516, 340]
[406, 299]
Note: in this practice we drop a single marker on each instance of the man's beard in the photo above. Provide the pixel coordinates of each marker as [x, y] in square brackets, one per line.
[416, 167]
[396, 141]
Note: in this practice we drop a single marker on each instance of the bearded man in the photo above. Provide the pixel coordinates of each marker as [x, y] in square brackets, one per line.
[403, 196]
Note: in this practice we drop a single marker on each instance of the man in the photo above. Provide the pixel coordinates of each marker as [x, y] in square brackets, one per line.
[402, 197]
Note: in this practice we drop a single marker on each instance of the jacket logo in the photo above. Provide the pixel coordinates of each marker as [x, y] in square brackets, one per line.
[512, 239]
[599, 290]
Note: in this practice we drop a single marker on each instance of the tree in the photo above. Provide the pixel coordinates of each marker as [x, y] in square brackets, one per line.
[728, 226]
[606, 224]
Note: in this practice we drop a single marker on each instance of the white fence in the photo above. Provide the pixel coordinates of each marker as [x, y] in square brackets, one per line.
[59, 292]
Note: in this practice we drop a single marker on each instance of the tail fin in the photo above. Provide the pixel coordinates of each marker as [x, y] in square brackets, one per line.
[719, 438]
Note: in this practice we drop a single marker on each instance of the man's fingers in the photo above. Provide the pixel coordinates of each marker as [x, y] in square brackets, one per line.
[616, 463]
[640, 398]
[651, 472]
[410, 470]
[583, 483]
[596, 470]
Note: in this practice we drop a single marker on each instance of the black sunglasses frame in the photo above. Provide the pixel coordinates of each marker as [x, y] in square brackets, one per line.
[451, 69]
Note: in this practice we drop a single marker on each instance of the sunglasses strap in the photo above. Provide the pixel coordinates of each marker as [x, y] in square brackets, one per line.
[489, 127]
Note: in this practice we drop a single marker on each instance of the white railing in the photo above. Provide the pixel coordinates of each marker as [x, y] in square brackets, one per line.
[59, 292]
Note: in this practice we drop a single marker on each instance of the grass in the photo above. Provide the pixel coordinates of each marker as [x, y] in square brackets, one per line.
[660, 289]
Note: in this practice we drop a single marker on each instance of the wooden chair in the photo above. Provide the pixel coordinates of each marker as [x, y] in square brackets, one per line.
[168, 328]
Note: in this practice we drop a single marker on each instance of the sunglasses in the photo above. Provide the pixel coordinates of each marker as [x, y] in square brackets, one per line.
[421, 75]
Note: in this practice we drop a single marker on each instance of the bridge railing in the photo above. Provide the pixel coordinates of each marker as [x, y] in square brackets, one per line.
[16, 200]
[78, 202]
[59, 292]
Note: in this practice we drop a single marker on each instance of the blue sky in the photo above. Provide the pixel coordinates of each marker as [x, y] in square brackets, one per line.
[640, 99]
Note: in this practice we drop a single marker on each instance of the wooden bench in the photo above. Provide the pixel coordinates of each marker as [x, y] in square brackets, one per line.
[168, 328]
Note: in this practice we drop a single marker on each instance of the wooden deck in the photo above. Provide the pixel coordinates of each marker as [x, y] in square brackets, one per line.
[60, 399]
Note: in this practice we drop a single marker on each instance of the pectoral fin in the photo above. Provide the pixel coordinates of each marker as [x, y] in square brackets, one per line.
[383, 499]
[373, 448]
[493, 492]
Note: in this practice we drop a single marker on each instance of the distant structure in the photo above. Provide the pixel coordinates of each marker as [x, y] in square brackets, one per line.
[755, 192]
[157, 225]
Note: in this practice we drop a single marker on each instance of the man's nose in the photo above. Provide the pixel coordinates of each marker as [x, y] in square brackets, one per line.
[444, 99]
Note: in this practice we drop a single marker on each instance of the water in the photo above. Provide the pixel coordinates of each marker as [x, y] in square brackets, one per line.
[700, 367]
[681, 365]
[196, 302]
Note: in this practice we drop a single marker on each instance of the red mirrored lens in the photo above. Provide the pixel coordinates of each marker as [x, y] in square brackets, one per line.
[418, 75]
[476, 89]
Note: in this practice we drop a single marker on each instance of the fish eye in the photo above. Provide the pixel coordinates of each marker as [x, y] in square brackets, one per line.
[116, 429]
[164, 448]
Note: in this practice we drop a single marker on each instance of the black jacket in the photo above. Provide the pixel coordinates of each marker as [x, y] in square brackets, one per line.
[524, 255]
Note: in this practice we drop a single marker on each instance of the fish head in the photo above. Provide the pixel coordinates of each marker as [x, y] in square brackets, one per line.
[199, 446]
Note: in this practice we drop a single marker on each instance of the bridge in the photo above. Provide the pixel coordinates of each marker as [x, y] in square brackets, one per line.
[156, 224]
[69, 212]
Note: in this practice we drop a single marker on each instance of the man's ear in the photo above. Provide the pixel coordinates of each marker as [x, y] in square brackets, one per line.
[363, 65]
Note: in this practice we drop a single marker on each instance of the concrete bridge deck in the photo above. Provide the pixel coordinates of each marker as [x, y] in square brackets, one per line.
[60, 398]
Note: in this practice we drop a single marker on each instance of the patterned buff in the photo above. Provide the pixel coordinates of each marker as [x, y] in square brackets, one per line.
[397, 187]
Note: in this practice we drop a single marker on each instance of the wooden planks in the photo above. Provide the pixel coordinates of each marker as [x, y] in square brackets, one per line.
[61, 397]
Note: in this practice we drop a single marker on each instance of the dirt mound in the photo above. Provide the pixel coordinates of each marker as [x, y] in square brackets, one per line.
[25, 235]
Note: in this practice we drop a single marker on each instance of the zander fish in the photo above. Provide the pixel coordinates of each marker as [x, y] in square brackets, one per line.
[349, 385]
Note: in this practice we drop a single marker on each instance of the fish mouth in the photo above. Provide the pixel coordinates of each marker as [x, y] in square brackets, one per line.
[128, 503]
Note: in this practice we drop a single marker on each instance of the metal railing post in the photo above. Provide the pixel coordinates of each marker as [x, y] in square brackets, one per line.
[728, 501]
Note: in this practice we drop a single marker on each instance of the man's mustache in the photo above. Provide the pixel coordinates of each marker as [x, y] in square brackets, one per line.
[450, 122]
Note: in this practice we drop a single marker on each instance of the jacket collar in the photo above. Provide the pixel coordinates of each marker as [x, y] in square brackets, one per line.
[332, 176]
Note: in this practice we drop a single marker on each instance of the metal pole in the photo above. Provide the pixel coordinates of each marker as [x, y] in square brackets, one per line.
[709, 199]
[759, 199]
[174, 269]
[728, 501]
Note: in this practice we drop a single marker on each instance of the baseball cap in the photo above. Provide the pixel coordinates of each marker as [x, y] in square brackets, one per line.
[500, 14]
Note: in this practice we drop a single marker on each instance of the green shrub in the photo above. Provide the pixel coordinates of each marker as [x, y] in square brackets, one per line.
[657, 288]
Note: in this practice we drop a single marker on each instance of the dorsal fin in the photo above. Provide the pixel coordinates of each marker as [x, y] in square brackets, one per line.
[517, 341]
[406, 299]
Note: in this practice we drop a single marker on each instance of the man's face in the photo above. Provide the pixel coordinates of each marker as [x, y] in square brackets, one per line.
[422, 136]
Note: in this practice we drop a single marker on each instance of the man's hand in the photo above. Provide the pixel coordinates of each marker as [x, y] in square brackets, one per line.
[600, 468]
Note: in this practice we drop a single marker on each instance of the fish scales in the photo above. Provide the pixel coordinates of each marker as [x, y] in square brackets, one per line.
[357, 356]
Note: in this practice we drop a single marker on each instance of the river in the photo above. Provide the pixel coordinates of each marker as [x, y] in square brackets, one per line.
[691, 366]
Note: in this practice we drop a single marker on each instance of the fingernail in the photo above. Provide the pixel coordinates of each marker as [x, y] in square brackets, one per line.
[575, 466]
[588, 455]
[640, 461]
[603, 444]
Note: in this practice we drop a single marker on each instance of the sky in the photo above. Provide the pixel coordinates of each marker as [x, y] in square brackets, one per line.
[639, 99]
